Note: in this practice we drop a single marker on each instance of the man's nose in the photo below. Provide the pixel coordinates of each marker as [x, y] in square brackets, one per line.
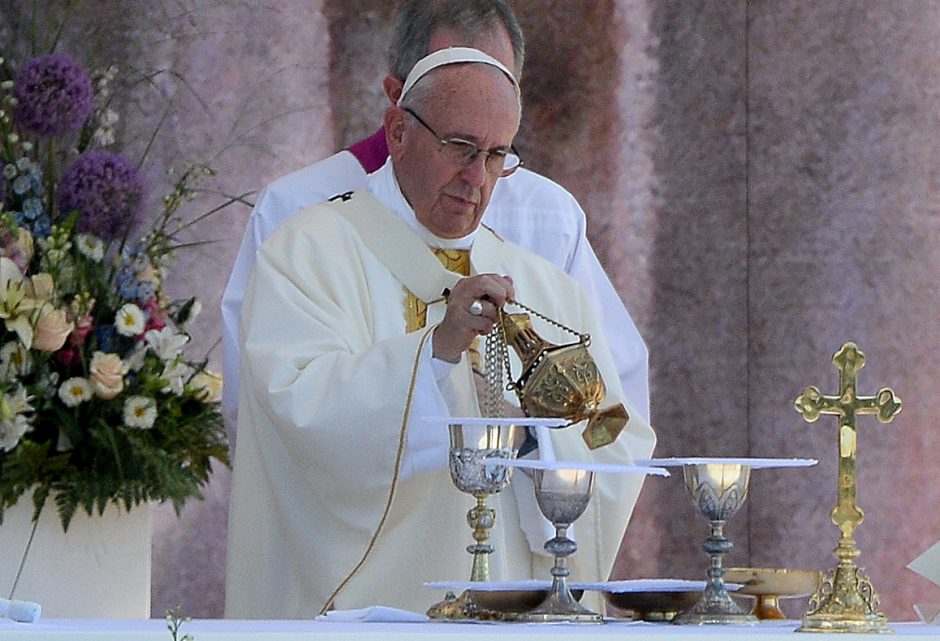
[475, 171]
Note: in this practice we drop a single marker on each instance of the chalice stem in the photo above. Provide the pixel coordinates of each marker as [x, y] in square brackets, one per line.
[481, 519]
[716, 546]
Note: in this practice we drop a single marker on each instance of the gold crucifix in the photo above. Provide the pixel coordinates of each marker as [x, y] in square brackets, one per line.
[846, 600]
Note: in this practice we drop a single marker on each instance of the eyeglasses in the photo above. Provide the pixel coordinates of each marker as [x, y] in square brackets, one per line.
[498, 162]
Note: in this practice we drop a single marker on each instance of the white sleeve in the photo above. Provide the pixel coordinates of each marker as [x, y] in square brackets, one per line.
[276, 203]
[630, 353]
[441, 388]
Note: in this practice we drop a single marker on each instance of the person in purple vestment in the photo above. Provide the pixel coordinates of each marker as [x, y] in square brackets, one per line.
[525, 208]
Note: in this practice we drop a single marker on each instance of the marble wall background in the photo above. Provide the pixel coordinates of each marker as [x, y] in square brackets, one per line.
[762, 180]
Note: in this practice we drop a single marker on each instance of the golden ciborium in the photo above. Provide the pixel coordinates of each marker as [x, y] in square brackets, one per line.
[561, 381]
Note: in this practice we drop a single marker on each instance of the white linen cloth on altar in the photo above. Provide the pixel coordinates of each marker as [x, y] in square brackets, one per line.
[525, 208]
[233, 630]
[100, 568]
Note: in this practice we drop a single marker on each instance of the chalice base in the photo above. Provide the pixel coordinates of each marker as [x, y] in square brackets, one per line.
[453, 607]
[464, 607]
[559, 606]
[715, 610]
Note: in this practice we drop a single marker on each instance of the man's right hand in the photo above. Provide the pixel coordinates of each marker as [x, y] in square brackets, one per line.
[472, 310]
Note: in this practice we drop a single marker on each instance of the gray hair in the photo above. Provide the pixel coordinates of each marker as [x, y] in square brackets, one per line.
[417, 20]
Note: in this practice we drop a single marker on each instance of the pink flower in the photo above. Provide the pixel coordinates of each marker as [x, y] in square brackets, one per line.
[81, 331]
[156, 317]
[52, 328]
[67, 356]
[107, 375]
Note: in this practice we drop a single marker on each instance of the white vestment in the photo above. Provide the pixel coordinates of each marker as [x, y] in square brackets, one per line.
[326, 489]
[526, 208]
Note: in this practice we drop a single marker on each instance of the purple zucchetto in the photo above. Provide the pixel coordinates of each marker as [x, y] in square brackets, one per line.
[106, 189]
[54, 96]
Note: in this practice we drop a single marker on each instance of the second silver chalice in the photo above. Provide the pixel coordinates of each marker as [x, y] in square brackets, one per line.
[563, 491]
[718, 490]
[562, 496]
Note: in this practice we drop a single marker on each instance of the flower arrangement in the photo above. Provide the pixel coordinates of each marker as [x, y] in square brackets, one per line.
[99, 402]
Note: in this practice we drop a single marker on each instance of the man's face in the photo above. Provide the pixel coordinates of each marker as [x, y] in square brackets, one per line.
[474, 102]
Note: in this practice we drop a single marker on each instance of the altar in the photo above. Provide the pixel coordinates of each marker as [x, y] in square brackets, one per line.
[236, 630]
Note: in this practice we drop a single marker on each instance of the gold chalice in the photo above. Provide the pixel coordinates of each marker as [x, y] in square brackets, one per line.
[473, 441]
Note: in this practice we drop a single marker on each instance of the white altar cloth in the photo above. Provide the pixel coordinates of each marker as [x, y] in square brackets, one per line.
[233, 630]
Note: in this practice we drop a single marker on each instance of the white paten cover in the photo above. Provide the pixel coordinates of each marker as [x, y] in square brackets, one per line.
[928, 566]
[753, 463]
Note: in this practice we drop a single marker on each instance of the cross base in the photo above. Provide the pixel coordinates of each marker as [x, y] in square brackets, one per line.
[845, 602]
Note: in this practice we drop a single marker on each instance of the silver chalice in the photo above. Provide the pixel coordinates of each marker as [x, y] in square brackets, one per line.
[718, 487]
[563, 491]
[562, 496]
[718, 490]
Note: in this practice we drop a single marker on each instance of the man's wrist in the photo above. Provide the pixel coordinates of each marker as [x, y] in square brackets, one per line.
[442, 355]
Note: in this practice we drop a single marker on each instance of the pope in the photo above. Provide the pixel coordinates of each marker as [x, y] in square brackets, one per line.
[341, 496]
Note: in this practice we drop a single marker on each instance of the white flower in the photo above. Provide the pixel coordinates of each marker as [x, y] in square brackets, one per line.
[103, 136]
[194, 310]
[13, 424]
[129, 320]
[135, 360]
[17, 403]
[75, 391]
[15, 305]
[15, 360]
[175, 375]
[209, 385]
[91, 246]
[166, 343]
[140, 412]
[12, 431]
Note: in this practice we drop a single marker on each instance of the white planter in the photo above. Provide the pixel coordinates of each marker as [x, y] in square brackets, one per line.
[100, 568]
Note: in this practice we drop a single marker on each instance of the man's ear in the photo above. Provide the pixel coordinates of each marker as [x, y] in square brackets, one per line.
[394, 131]
[393, 87]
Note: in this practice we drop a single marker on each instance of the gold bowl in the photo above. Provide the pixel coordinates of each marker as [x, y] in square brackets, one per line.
[513, 601]
[654, 605]
[768, 585]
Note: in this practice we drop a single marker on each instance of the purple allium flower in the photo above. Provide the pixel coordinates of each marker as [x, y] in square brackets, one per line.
[54, 96]
[106, 189]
